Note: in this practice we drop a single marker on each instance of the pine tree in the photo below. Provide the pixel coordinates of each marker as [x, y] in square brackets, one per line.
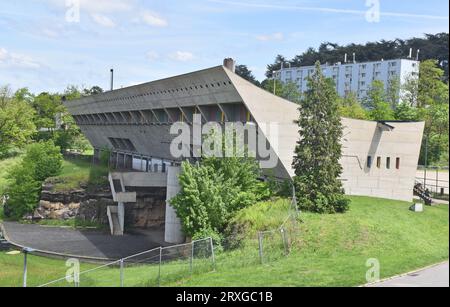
[319, 150]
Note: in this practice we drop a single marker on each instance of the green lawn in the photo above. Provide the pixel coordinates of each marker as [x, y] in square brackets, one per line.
[76, 173]
[332, 250]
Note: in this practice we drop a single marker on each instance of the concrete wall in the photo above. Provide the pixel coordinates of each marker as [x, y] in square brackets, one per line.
[363, 139]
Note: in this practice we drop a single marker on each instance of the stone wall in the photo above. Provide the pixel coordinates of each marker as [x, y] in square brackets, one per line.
[150, 209]
[148, 212]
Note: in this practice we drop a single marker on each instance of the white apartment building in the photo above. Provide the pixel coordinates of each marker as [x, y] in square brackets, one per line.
[355, 77]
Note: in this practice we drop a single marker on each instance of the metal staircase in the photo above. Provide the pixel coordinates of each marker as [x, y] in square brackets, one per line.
[420, 191]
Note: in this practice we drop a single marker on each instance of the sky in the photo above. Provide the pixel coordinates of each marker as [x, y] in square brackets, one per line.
[46, 45]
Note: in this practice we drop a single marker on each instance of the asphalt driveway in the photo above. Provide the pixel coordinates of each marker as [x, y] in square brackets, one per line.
[80, 243]
[437, 276]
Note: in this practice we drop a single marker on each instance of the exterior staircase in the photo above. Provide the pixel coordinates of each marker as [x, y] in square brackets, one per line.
[420, 191]
[116, 214]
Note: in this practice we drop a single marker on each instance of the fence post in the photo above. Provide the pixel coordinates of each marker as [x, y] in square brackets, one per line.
[192, 257]
[121, 273]
[160, 261]
[213, 254]
[261, 252]
[25, 268]
[285, 243]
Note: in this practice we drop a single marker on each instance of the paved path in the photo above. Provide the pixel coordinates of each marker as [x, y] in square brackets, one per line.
[93, 244]
[437, 276]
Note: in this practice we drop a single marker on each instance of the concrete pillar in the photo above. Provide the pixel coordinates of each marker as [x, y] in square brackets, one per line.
[97, 154]
[174, 233]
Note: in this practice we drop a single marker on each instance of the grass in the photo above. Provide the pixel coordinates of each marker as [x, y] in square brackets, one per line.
[332, 250]
[78, 173]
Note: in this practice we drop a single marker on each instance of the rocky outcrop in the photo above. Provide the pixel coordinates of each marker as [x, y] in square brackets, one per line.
[85, 205]
[65, 205]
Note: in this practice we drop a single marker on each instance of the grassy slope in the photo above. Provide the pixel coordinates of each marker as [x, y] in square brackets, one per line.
[332, 251]
[334, 248]
[75, 173]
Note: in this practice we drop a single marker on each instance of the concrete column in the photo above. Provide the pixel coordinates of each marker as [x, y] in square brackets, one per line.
[97, 154]
[174, 233]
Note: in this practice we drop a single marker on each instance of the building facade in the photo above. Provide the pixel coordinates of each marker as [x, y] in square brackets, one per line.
[379, 158]
[356, 77]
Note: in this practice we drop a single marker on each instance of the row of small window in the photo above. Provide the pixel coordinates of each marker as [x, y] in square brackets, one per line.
[210, 113]
[170, 91]
[379, 162]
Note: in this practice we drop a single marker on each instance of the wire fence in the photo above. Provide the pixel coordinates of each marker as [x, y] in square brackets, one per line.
[277, 243]
[170, 265]
[148, 269]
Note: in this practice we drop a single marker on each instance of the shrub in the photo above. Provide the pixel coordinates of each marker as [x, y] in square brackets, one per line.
[213, 191]
[42, 160]
[23, 193]
[45, 159]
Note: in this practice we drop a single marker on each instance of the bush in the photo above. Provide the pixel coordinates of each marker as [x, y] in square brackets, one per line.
[212, 192]
[45, 160]
[42, 160]
[23, 193]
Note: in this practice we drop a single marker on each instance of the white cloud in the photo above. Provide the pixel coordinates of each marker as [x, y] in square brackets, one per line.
[270, 37]
[152, 55]
[153, 19]
[11, 59]
[103, 20]
[97, 6]
[182, 56]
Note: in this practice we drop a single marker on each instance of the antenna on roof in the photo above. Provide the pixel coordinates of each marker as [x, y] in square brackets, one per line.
[112, 79]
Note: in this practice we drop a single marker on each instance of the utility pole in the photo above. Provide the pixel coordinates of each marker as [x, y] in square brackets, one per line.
[275, 82]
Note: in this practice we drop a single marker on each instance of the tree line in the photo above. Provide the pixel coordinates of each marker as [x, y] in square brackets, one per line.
[424, 99]
[26, 117]
[432, 47]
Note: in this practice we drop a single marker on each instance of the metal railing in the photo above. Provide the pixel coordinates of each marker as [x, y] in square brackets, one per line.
[434, 178]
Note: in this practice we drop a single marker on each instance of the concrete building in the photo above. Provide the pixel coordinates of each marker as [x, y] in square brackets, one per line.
[379, 158]
[356, 77]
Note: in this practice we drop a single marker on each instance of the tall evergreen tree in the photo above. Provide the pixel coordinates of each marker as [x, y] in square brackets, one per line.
[319, 150]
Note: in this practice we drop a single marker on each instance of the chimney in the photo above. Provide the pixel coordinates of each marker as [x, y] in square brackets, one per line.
[418, 55]
[345, 58]
[230, 64]
[354, 58]
[410, 53]
[112, 79]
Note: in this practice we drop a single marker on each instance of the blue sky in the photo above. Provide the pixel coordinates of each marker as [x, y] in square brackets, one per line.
[44, 46]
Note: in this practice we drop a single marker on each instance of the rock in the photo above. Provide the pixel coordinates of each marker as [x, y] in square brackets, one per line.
[45, 204]
[416, 208]
[37, 215]
[74, 206]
